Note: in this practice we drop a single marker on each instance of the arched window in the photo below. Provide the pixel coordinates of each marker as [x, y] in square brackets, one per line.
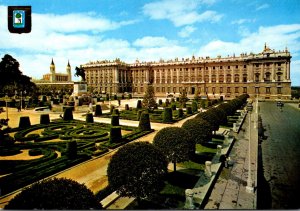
[213, 78]
[228, 78]
[256, 77]
[221, 78]
[236, 78]
[268, 76]
[244, 77]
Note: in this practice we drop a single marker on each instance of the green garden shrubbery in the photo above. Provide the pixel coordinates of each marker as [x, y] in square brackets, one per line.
[180, 113]
[44, 119]
[115, 134]
[167, 115]
[24, 122]
[173, 106]
[71, 150]
[144, 123]
[89, 118]
[98, 111]
[35, 152]
[194, 106]
[68, 114]
[189, 110]
[57, 194]
[115, 120]
[139, 104]
[126, 107]
[199, 130]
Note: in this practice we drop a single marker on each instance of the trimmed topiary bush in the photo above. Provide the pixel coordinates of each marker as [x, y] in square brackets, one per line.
[144, 124]
[173, 106]
[160, 102]
[71, 150]
[89, 118]
[24, 122]
[55, 194]
[199, 129]
[126, 107]
[111, 109]
[180, 113]
[139, 104]
[139, 112]
[167, 115]
[194, 106]
[98, 111]
[115, 120]
[68, 114]
[189, 110]
[116, 111]
[44, 119]
[115, 134]
[130, 96]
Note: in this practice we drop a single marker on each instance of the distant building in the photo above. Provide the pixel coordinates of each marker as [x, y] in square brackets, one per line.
[56, 81]
[266, 74]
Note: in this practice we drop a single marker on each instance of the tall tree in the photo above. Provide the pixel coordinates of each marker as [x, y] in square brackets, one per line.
[149, 101]
[175, 143]
[137, 170]
[183, 97]
[12, 79]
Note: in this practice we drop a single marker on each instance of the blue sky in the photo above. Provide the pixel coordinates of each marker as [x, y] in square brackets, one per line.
[89, 30]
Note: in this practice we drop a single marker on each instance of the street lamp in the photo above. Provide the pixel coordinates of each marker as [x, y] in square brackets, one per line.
[249, 187]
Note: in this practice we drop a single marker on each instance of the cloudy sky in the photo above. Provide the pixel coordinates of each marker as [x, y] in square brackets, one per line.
[149, 30]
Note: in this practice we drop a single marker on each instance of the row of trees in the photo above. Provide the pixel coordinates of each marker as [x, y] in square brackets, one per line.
[138, 169]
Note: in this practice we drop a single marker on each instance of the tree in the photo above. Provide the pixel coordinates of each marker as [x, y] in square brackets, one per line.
[149, 101]
[211, 118]
[175, 143]
[183, 97]
[137, 170]
[144, 123]
[56, 193]
[12, 79]
[199, 130]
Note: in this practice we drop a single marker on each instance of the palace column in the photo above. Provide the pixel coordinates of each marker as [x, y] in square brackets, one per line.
[160, 76]
[147, 76]
[209, 74]
[177, 74]
[166, 76]
[273, 72]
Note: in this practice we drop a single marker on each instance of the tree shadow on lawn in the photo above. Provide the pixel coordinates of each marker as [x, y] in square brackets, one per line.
[202, 157]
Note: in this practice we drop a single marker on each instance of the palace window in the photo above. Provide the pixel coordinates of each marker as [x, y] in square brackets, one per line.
[213, 90]
[221, 78]
[257, 65]
[206, 78]
[244, 89]
[228, 67]
[221, 67]
[236, 78]
[279, 90]
[268, 77]
[268, 90]
[256, 77]
[213, 78]
[228, 89]
[228, 78]
[245, 66]
[236, 66]
[256, 90]
[244, 77]
[221, 89]
[163, 89]
[157, 89]
[236, 89]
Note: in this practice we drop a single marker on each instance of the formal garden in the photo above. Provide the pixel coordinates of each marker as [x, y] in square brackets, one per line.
[57, 145]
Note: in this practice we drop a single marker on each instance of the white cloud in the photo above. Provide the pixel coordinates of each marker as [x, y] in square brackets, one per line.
[263, 6]
[149, 41]
[180, 12]
[186, 31]
[242, 21]
[277, 37]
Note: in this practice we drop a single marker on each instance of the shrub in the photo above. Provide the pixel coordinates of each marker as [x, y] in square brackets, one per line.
[199, 130]
[115, 97]
[175, 144]
[167, 115]
[89, 118]
[44, 119]
[173, 106]
[55, 194]
[111, 109]
[115, 120]
[116, 111]
[115, 134]
[129, 96]
[139, 112]
[98, 111]
[68, 114]
[144, 123]
[44, 98]
[137, 170]
[24, 122]
[189, 110]
[180, 113]
[107, 97]
[35, 152]
[194, 106]
[177, 99]
[126, 107]
[183, 104]
[160, 102]
[71, 150]
[139, 104]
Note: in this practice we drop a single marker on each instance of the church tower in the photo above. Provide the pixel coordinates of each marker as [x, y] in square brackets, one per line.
[52, 71]
[69, 71]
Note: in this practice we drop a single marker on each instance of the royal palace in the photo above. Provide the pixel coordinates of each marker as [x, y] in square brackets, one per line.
[265, 74]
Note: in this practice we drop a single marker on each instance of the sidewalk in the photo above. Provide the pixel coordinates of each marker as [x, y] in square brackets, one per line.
[229, 192]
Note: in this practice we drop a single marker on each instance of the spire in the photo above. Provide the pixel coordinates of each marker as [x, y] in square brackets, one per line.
[265, 46]
[52, 63]
[68, 63]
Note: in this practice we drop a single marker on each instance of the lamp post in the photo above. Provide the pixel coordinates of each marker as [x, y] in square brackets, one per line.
[249, 187]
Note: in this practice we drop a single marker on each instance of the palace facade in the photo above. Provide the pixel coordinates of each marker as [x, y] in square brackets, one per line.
[265, 74]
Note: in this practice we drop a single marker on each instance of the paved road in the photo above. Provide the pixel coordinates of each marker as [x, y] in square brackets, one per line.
[278, 181]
